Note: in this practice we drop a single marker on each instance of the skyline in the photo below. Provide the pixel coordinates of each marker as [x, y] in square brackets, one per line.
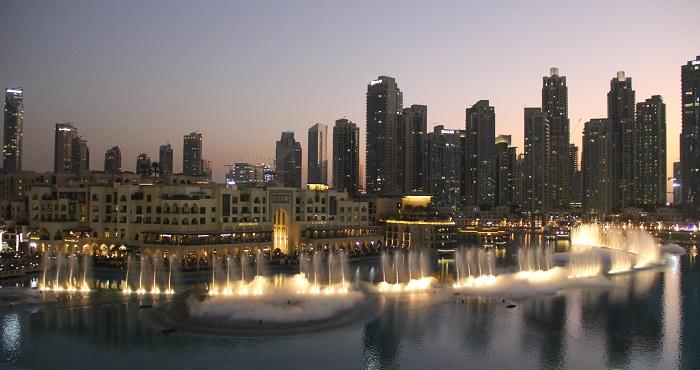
[132, 81]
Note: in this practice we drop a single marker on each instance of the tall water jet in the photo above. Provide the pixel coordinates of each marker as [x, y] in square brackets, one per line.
[474, 267]
[400, 269]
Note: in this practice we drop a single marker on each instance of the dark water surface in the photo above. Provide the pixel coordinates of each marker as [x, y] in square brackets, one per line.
[648, 320]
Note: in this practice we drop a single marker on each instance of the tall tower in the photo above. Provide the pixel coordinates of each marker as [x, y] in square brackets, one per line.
[80, 155]
[555, 105]
[413, 126]
[650, 145]
[597, 169]
[13, 130]
[480, 155]
[318, 154]
[288, 160]
[506, 158]
[143, 165]
[165, 159]
[113, 160]
[444, 166]
[383, 161]
[621, 115]
[690, 135]
[534, 179]
[64, 138]
[346, 156]
[192, 155]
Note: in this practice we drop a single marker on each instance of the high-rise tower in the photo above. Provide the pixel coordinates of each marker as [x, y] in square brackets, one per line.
[318, 154]
[13, 130]
[480, 155]
[690, 135]
[555, 105]
[650, 145]
[621, 115]
[346, 156]
[383, 160]
[288, 160]
[192, 155]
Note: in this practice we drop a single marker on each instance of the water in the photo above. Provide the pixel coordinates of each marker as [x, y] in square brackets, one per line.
[645, 321]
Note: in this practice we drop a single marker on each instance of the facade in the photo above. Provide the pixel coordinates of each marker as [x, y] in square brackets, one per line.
[650, 148]
[346, 157]
[144, 166]
[198, 218]
[444, 164]
[165, 159]
[192, 155]
[535, 184]
[677, 189]
[419, 225]
[621, 105]
[480, 155]
[690, 135]
[288, 160]
[413, 126]
[113, 160]
[13, 129]
[383, 160]
[556, 106]
[597, 168]
[318, 154]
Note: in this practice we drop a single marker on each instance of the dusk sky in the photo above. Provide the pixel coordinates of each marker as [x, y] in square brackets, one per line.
[139, 74]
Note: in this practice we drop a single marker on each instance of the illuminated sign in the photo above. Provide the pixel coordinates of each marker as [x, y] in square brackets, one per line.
[446, 131]
[375, 82]
[13, 91]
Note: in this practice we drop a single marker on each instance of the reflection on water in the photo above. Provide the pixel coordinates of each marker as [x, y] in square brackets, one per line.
[637, 323]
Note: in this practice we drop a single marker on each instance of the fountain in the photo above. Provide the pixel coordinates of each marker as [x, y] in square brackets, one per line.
[69, 272]
[318, 273]
[152, 277]
[405, 271]
[474, 267]
[627, 248]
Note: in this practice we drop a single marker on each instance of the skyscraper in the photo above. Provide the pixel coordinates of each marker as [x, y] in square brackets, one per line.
[597, 167]
[480, 155]
[113, 160]
[165, 159]
[555, 105]
[144, 165]
[81, 155]
[444, 167]
[677, 189]
[506, 158]
[535, 183]
[13, 130]
[383, 161]
[318, 154]
[650, 148]
[64, 139]
[575, 180]
[288, 160]
[192, 155]
[621, 115]
[413, 126]
[690, 135]
[346, 156]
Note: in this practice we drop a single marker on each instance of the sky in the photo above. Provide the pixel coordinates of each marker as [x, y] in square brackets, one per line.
[142, 73]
